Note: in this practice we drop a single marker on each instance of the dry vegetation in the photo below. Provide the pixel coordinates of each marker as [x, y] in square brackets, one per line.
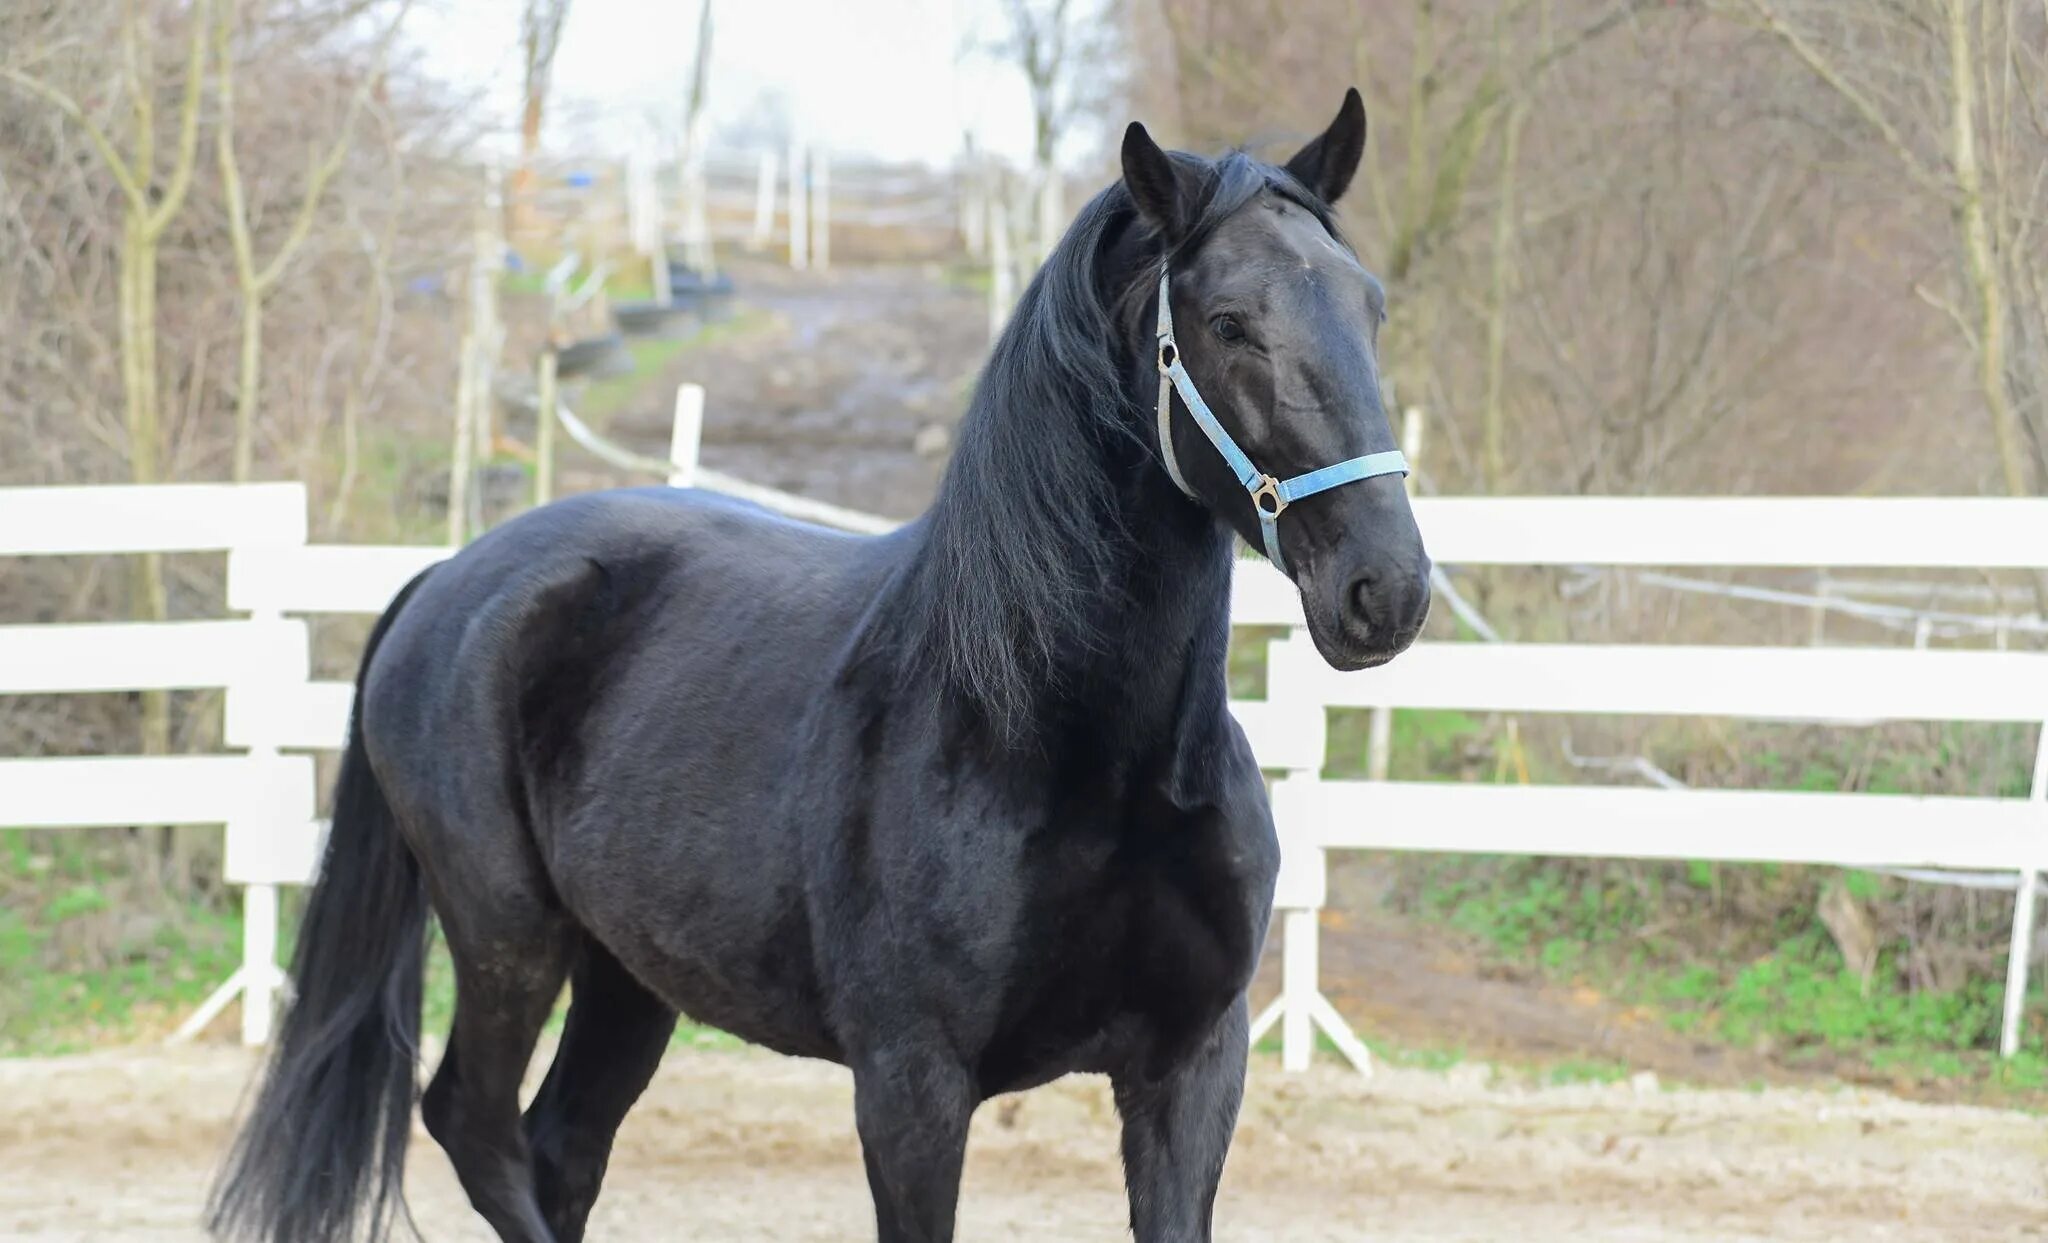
[1740, 245]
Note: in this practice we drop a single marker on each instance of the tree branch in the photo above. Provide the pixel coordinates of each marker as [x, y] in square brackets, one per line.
[123, 175]
[323, 172]
[1949, 309]
[173, 199]
[1872, 116]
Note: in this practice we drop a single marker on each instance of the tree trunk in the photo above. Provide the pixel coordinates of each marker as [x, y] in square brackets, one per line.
[1494, 455]
[248, 382]
[523, 214]
[1980, 264]
[148, 598]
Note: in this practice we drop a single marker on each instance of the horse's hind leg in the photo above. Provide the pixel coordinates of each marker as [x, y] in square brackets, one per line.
[511, 954]
[1177, 1130]
[616, 1034]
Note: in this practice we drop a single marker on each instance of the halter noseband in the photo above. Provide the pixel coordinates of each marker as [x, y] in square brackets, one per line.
[1270, 496]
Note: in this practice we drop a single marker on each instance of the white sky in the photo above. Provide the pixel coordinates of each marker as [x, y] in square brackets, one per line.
[896, 79]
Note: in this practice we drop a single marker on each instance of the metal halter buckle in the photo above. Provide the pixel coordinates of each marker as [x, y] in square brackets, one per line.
[1269, 490]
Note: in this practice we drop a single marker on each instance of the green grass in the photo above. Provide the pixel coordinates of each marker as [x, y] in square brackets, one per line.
[1793, 997]
[974, 277]
[148, 972]
[629, 282]
[602, 399]
[1585, 1070]
[81, 962]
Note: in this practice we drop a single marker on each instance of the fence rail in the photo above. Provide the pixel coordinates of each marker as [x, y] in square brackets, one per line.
[265, 797]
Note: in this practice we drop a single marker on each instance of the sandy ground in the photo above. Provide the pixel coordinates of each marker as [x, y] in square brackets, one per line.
[746, 1146]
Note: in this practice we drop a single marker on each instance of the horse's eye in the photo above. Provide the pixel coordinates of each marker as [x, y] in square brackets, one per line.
[1228, 329]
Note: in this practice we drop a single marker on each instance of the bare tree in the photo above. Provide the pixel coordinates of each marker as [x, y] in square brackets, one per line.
[1447, 85]
[151, 200]
[1943, 92]
[1039, 39]
[540, 36]
[695, 135]
[256, 283]
[1068, 55]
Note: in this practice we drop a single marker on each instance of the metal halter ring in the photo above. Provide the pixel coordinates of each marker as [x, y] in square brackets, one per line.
[1269, 490]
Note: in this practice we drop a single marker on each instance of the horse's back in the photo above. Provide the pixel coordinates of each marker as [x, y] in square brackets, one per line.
[610, 689]
[604, 578]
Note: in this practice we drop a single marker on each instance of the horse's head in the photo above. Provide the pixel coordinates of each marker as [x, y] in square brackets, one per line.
[1274, 327]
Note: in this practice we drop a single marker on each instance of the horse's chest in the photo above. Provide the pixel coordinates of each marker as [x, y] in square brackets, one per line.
[1133, 951]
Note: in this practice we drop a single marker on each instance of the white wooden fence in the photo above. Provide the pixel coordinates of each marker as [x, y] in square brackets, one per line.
[1843, 686]
[251, 793]
[265, 796]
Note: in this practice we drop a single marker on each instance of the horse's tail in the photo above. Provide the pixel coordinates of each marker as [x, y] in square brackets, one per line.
[323, 1151]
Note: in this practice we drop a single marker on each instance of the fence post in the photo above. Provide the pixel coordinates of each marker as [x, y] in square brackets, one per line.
[686, 436]
[1302, 889]
[259, 961]
[764, 203]
[650, 236]
[821, 209]
[544, 427]
[1051, 211]
[973, 203]
[1002, 278]
[465, 444]
[260, 973]
[2021, 949]
[2016, 963]
[799, 209]
[1298, 968]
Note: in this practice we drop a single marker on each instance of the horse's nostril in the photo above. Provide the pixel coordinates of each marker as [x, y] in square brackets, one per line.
[1359, 600]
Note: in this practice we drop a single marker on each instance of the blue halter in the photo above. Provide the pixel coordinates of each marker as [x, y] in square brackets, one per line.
[1270, 496]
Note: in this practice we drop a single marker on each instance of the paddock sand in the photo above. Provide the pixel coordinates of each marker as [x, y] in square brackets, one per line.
[745, 1146]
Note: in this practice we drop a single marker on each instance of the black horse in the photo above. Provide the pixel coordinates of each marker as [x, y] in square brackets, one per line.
[960, 807]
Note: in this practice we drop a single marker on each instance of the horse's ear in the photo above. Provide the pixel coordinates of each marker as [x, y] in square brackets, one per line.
[1327, 164]
[1156, 185]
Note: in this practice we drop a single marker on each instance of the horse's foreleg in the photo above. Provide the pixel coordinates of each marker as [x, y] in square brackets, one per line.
[912, 1107]
[1177, 1131]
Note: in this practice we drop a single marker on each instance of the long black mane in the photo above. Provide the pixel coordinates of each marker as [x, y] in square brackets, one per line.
[1027, 539]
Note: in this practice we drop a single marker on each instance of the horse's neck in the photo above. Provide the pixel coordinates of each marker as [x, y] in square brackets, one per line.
[1164, 634]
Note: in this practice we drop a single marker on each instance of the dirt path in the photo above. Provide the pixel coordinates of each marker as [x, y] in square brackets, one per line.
[745, 1146]
[1421, 986]
[845, 388]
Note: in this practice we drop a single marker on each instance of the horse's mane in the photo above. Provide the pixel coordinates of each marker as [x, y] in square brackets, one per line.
[1025, 536]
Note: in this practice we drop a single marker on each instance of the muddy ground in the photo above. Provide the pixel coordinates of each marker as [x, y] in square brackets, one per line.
[746, 1146]
[844, 386]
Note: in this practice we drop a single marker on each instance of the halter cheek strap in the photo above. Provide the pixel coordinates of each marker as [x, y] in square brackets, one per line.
[1270, 496]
